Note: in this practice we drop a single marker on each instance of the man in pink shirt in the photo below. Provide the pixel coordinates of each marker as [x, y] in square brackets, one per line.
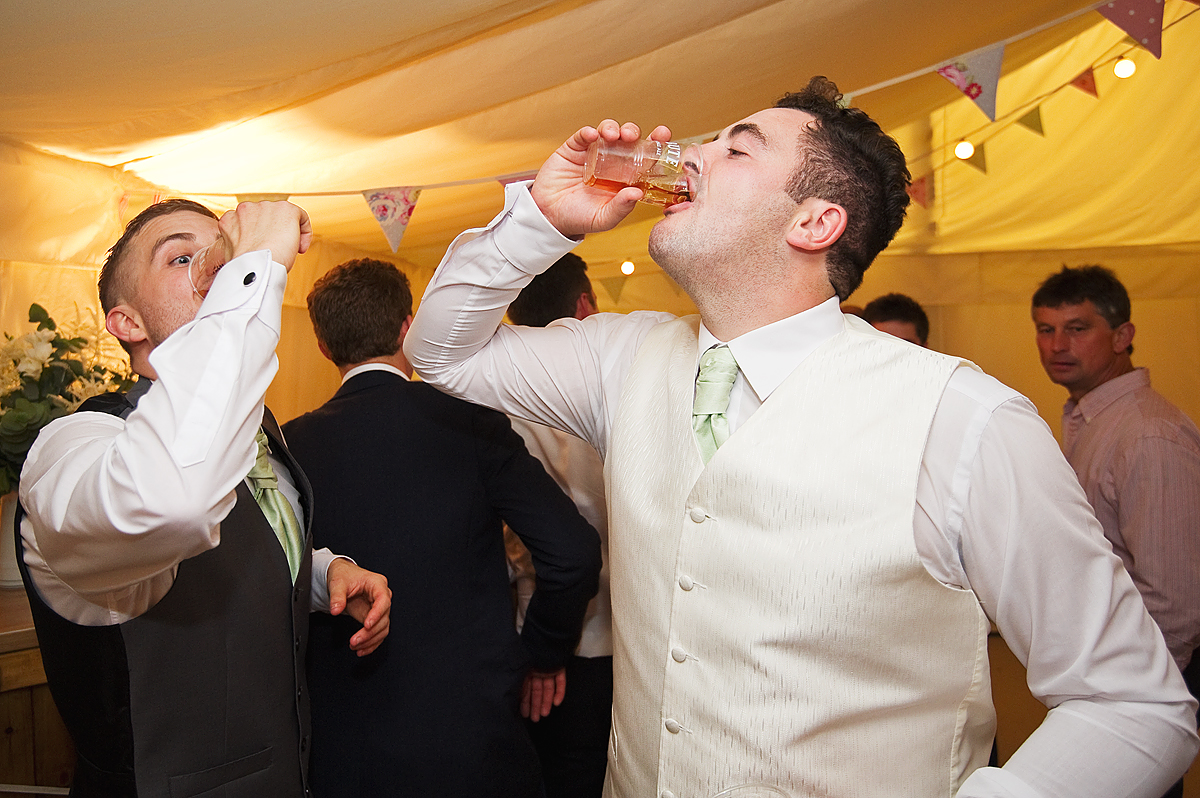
[1136, 455]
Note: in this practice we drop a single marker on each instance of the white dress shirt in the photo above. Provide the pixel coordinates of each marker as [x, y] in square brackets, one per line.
[365, 367]
[114, 505]
[998, 511]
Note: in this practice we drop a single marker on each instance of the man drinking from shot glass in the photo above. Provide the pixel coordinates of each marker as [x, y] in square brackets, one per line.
[812, 523]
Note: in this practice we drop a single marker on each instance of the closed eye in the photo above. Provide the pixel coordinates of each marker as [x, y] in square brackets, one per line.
[733, 152]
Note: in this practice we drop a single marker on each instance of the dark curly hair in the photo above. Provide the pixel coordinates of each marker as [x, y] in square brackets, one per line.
[848, 160]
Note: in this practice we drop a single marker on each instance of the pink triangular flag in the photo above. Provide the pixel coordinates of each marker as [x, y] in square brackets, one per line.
[921, 190]
[1086, 82]
[393, 207]
[518, 177]
[976, 75]
[1141, 19]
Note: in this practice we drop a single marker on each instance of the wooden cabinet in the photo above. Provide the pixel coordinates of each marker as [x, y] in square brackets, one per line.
[35, 749]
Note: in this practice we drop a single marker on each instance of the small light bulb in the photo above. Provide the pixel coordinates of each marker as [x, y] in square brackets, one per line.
[964, 150]
[1124, 67]
[627, 267]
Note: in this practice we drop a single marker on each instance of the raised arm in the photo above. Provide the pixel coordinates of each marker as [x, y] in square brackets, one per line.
[112, 504]
[562, 375]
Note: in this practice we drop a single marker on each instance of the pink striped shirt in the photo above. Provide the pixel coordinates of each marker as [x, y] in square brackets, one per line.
[1138, 459]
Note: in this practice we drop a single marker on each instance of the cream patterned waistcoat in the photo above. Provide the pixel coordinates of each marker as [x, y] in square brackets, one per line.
[773, 622]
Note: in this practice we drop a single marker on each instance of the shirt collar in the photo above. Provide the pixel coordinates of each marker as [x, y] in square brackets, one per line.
[365, 367]
[1092, 403]
[767, 355]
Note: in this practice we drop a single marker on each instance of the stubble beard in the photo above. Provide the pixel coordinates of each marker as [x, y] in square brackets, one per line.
[679, 253]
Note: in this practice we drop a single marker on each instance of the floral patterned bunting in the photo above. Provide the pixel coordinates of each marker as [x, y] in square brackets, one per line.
[977, 75]
[393, 207]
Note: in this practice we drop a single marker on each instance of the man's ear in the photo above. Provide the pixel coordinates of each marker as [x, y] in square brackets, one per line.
[125, 324]
[404, 325]
[324, 350]
[585, 306]
[1123, 337]
[817, 225]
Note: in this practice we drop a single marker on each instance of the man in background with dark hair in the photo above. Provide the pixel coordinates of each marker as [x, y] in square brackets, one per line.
[899, 315]
[418, 484]
[1136, 454]
[811, 523]
[573, 741]
[166, 552]
[561, 292]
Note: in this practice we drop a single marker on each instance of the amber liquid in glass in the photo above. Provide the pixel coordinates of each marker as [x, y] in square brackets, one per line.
[664, 195]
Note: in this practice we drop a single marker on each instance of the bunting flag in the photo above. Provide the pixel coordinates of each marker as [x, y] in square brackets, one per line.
[1086, 82]
[921, 191]
[519, 177]
[1141, 19]
[978, 159]
[976, 75]
[393, 207]
[1033, 121]
[614, 286]
[262, 197]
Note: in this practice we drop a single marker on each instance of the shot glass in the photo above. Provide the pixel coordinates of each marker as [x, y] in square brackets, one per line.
[656, 167]
[204, 265]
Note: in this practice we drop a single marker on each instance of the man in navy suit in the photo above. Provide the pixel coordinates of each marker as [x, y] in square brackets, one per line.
[418, 484]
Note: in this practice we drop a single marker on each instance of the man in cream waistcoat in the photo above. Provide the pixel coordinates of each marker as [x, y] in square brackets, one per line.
[811, 522]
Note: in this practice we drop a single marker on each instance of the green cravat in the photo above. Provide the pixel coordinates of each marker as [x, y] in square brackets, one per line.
[718, 370]
[275, 506]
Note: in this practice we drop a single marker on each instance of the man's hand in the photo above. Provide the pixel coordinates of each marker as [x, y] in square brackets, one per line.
[541, 692]
[366, 596]
[281, 227]
[573, 208]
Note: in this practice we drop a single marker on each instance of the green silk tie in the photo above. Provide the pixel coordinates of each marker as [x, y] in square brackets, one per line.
[718, 370]
[275, 506]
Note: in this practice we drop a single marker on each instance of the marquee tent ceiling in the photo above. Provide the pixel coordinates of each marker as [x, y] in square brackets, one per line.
[103, 105]
[228, 97]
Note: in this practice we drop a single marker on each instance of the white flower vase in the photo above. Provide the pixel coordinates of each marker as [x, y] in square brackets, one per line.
[10, 574]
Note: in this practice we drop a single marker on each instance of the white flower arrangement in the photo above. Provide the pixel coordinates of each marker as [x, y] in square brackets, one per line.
[47, 374]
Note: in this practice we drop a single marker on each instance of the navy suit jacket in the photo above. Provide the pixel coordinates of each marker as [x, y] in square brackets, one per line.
[414, 484]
